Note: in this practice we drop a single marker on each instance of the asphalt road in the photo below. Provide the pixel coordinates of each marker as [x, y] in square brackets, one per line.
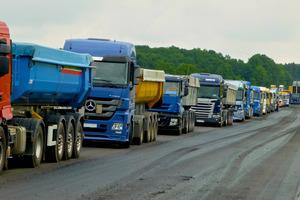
[257, 159]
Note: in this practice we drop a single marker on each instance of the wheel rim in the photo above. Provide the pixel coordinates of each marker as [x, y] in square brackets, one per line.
[60, 143]
[70, 141]
[38, 147]
[78, 141]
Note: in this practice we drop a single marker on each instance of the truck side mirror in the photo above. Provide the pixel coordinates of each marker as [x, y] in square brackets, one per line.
[135, 81]
[137, 71]
[136, 74]
[225, 93]
[186, 91]
[4, 59]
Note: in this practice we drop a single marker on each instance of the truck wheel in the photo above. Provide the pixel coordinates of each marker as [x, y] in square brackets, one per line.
[2, 148]
[147, 132]
[221, 124]
[152, 130]
[78, 140]
[155, 129]
[186, 126]
[225, 120]
[36, 158]
[179, 131]
[60, 142]
[69, 142]
[55, 153]
[139, 140]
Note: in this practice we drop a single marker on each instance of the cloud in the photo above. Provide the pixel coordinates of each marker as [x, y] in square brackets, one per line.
[239, 28]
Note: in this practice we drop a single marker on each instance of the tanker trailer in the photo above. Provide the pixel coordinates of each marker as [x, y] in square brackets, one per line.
[48, 88]
[149, 92]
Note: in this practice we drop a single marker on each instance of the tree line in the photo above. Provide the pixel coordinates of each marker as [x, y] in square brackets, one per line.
[260, 70]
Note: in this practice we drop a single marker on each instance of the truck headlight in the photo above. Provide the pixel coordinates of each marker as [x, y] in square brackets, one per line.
[117, 126]
[216, 116]
[173, 121]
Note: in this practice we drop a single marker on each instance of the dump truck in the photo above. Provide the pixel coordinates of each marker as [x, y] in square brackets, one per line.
[41, 91]
[274, 99]
[216, 100]
[175, 113]
[111, 111]
[149, 92]
[258, 101]
[295, 98]
[242, 103]
[263, 91]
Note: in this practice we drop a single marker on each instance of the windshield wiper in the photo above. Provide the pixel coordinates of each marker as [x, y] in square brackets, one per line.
[108, 82]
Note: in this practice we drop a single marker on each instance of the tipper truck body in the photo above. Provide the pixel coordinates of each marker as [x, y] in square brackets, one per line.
[241, 100]
[216, 101]
[42, 89]
[110, 108]
[175, 113]
[149, 92]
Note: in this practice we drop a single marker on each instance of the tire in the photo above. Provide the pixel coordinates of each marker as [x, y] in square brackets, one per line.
[55, 153]
[152, 130]
[179, 131]
[78, 139]
[69, 141]
[192, 122]
[38, 146]
[186, 126]
[139, 140]
[147, 132]
[225, 120]
[2, 149]
[155, 129]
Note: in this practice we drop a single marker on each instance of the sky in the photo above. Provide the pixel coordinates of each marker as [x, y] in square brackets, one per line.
[238, 28]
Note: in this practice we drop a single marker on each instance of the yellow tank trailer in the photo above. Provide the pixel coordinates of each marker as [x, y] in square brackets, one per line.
[149, 91]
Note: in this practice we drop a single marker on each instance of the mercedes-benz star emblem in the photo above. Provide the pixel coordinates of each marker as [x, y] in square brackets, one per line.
[90, 105]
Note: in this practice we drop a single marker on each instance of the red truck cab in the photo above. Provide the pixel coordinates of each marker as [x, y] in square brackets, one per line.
[5, 73]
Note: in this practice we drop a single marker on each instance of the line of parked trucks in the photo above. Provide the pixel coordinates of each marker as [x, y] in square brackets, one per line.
[52, 100]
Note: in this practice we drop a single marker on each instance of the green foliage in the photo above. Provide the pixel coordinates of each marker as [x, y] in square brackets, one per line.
[260, 70]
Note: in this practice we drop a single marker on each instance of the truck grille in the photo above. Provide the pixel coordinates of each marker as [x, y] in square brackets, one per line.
[203, 109]
[100, 108]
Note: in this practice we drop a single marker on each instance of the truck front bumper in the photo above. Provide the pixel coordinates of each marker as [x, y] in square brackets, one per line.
[169, 122]
[238, 115]
[200, 121]
[102, 130]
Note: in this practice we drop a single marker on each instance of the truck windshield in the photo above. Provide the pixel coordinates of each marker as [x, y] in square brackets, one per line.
[255, 95]
[210, 92]
[110, 74]
[172, 88]
[239, 95]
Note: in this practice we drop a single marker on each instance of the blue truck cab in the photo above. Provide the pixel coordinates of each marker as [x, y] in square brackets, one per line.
[257, 108]
[171, 109]
[214, 106]
[109, 109]
[249, 103]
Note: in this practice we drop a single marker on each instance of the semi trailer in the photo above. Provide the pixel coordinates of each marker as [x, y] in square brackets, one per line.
[41, 91]
[117, 109]
[216, 100]
[175, 113]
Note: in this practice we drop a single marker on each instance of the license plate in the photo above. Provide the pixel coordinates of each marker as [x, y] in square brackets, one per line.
[99, 109]
[88, 125]
[200, 121]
